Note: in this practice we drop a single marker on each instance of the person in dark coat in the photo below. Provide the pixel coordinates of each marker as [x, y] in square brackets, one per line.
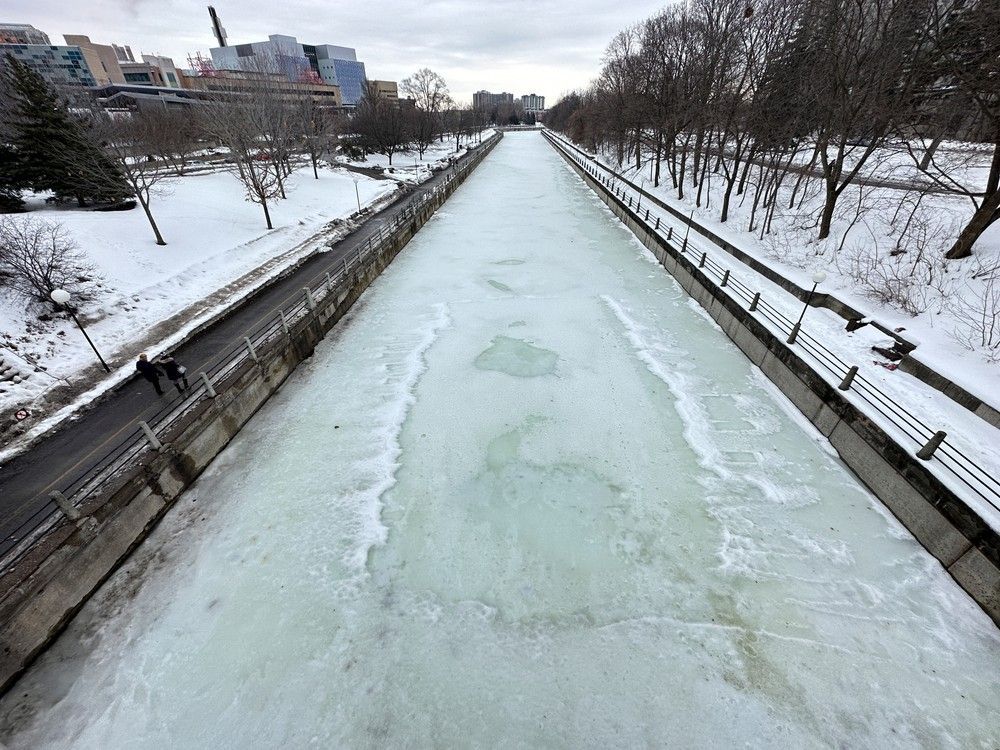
[150, 372]
[176, 372]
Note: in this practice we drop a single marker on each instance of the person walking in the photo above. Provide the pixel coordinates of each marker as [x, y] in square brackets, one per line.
[176, 372]
[150, 372]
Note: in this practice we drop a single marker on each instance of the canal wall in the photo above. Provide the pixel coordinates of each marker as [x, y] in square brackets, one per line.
[56, 576]
[940, 520]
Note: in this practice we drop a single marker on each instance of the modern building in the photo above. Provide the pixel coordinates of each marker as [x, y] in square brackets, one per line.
[487, 100]
[59, 65]
[22, 33]
[142, 74]
[102, 59]
[315, 63]
[243, 82]
[168, 71]
[533, 103]
[386, 90]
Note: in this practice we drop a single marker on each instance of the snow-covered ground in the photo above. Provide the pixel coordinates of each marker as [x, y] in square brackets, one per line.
[916, 290]
[409, 166]
[966, 432]
[529, 497]
[218, 249]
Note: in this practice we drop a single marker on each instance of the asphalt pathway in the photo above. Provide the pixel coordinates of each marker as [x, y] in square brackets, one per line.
[27, 479]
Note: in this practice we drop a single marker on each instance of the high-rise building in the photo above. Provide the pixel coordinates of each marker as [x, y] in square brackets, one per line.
[317, 63]
[533, 103]
[487, 100]
[22, 33]
[60, 66]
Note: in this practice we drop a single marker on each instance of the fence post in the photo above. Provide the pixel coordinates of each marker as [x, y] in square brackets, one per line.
[310, 302]
[670, 233]
[794, 334]
[657, 222]
[252, 352]
[209, 390]
[927, 451]
[329, 282]
[284, 323]
[69, 510]
[725, 278]
[151, 436]
[701, 263]
[345, 266]
[753, 303]
[845, 384]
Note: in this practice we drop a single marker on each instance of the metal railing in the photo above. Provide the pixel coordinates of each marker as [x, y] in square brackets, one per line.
[931, 445]
[266, 341]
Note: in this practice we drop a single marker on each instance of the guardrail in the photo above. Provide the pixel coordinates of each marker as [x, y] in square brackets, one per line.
[930, 444]
[267, 340]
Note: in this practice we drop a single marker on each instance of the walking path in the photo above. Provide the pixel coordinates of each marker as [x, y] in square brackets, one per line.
[26, 479]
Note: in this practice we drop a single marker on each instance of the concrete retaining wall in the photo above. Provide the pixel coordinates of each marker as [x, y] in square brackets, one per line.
[941, 521]
[47, 587]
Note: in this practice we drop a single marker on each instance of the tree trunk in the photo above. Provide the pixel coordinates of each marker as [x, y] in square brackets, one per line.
[826, 219]
[925, 160]
[149, 215]
[267, 214]
[986, 214]
[315, 170]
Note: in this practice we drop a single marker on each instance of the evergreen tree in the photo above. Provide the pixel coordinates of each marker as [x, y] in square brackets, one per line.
[52, 149]
[10, 188]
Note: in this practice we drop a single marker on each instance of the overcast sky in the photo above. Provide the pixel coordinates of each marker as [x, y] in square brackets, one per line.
[545, 47]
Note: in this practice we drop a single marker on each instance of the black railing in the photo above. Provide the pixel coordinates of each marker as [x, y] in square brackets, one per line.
[946, 456]
[265, 342]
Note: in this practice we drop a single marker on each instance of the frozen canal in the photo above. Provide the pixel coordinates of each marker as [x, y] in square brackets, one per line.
[527, 496]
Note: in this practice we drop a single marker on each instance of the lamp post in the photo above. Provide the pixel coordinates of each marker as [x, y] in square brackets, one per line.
[356, 193]
[818, 278]
[61, 297]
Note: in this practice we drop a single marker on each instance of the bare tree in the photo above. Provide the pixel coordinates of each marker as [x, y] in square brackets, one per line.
[128, 140]
[381, 125]
[38, 256]
[316, 126]
[238, 122]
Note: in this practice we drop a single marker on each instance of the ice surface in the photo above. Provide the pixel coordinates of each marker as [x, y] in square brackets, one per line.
[565, 513]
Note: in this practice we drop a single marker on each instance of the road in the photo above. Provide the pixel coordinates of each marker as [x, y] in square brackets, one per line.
[26, 480]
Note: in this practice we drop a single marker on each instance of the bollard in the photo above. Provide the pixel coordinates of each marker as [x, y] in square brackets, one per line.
[250, 350]
[209, 390]
[701, 263]
[725, 278]
[151, 436]
[284, 323]
[845, 384]
[753, 303]
[310, 302]
[69, 510]
[329, 282]
[793, 335]
[927, 451]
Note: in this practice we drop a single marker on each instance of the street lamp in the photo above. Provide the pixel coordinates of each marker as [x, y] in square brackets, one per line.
[61, 297]
[818, 278]
[356, 193]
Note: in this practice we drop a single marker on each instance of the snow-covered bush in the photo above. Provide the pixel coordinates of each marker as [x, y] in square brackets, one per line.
[37, 256]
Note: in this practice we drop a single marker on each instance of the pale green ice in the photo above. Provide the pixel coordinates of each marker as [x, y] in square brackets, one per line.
[525, 496]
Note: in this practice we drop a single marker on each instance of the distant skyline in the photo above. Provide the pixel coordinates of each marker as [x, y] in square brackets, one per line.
[547, 47]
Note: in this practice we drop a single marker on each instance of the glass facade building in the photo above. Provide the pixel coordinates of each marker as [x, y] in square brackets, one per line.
[60, 66]
[351, 78]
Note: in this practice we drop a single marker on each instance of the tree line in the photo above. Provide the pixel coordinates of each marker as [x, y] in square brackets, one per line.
[763, 94]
